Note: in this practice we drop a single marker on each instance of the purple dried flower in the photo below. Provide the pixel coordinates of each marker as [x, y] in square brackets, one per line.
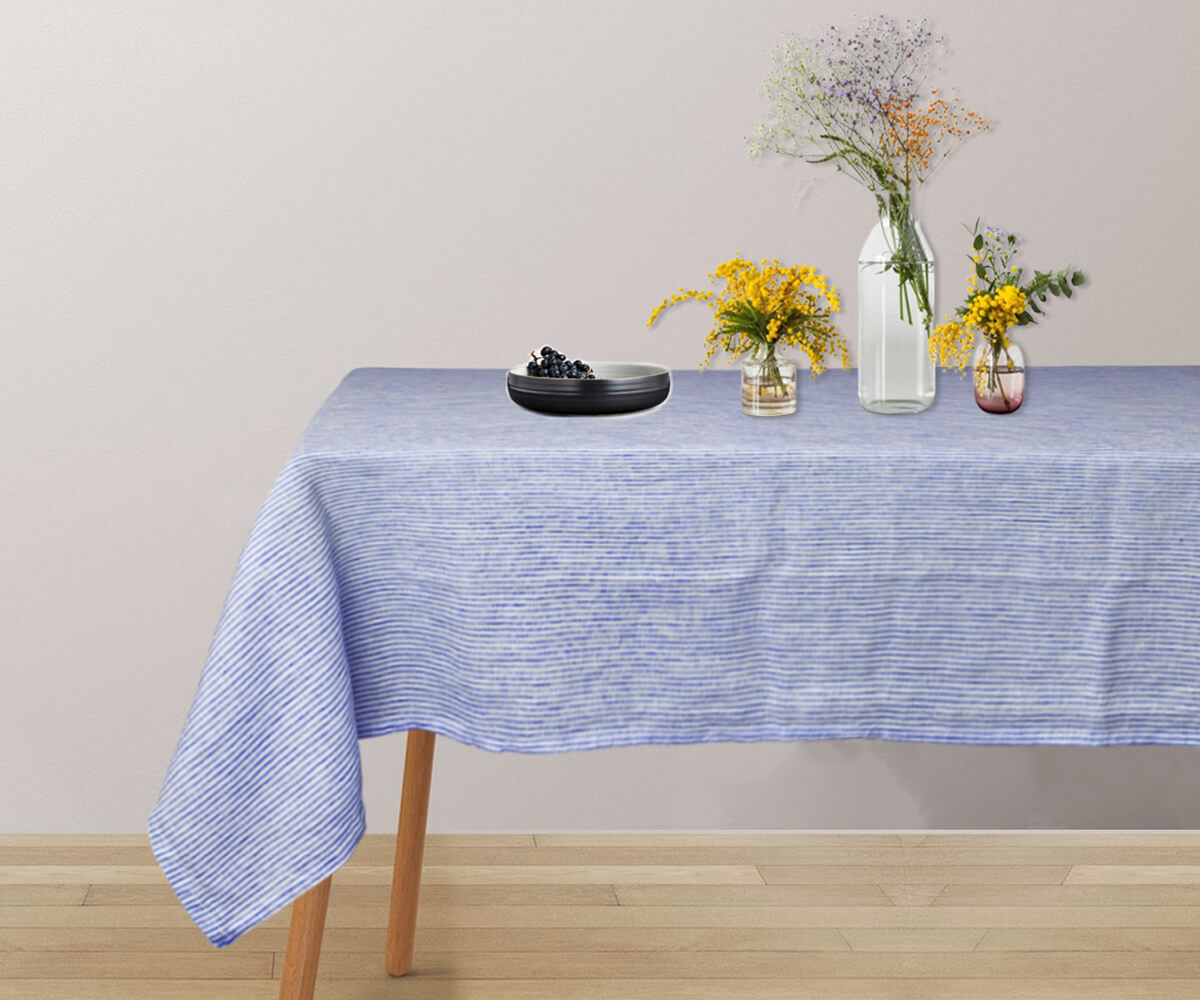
[831, 93]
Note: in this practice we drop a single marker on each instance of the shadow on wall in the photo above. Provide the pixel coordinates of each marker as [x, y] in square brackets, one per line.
[942, 786]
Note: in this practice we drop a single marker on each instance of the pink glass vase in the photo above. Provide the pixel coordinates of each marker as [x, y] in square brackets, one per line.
[999, 368]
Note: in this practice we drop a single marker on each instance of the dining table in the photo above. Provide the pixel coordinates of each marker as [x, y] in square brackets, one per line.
[437, 560]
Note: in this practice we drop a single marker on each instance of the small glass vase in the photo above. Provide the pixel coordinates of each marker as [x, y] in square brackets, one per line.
[895, 311]
[768, 384]
[999, 368]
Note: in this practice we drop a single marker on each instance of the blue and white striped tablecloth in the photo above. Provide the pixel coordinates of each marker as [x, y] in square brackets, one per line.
[435, 557]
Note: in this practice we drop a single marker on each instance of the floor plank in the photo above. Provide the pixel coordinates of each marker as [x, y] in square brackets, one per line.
[750, 895]
[1182, 839]
[772, 855]
[76, 854]
[149, 874]
[74, 840]
[1118, 874]
[662, 874]
[1091, 939]
[1069, 895]
[925, 874]
[775, 965]
[90, 965]
[700, 839]
[909, 939]
[415, 988]
[43, 895]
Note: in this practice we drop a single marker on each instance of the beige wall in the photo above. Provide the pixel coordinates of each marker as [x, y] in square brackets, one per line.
[211, 211]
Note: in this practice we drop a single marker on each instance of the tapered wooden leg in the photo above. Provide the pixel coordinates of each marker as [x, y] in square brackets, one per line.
[410, 850]
[304, 943]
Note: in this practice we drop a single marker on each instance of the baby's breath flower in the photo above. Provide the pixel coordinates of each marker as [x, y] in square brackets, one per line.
[853, 99]
[859, 100]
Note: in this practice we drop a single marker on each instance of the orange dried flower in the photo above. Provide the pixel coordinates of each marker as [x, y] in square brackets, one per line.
[918, 140]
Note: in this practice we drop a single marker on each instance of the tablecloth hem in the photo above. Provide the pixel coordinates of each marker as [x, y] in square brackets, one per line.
[220, 930]
[1140, 735]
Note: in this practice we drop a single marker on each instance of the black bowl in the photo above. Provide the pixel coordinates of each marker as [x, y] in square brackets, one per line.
[619, 387]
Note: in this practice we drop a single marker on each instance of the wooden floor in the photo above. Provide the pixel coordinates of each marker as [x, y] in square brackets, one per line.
[647, 917]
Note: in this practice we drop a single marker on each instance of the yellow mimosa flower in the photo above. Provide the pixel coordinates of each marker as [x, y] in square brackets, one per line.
[765, 306]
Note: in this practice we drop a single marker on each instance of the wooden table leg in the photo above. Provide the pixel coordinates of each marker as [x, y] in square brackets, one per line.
[304, 943]
[410, 850]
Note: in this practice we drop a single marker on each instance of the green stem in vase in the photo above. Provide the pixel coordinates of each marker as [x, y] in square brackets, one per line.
[908, 259]
[774, 374]
[995, 380]
[764, 354]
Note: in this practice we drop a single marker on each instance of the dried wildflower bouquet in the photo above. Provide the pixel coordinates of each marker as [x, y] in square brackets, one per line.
[858, 100]
[765, 307]
[997, 300]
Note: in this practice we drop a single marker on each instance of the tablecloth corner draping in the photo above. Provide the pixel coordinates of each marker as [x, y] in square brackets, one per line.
[269, 750]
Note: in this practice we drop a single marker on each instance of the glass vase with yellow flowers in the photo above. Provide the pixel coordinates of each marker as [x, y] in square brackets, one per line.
[997, 300]
[758, 312]
[859, 101]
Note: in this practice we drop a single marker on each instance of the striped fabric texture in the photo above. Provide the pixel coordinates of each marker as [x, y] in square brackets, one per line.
[435, 557]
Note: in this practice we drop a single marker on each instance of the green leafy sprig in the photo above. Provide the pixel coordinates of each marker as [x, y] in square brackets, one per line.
[993, 254]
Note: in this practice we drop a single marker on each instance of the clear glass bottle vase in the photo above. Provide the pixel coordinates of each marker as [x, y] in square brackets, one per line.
[895, 310]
